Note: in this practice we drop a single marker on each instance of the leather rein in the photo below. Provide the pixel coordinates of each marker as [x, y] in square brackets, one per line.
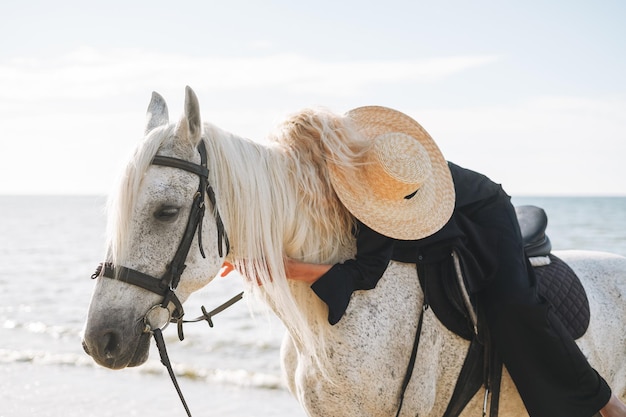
[166, 285]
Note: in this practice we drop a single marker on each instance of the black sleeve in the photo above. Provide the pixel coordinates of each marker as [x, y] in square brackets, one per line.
[471, 187]
[373, 253]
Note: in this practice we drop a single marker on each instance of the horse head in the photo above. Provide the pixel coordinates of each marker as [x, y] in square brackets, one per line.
[156, 227]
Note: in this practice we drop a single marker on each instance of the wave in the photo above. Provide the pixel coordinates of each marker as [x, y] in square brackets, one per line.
[231, 377]
[38, 327]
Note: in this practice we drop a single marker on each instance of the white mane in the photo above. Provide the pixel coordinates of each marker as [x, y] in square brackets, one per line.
[122, 202]
[275, 201]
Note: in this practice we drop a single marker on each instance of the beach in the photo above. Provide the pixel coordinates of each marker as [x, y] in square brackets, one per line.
[31, 389]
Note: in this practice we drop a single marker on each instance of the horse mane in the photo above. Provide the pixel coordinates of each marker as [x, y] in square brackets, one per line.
[276, 200]
[120, 203]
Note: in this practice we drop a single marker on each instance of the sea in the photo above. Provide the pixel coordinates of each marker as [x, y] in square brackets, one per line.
[49, 247]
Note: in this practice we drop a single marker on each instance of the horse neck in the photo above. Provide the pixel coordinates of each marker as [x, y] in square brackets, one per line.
[271, 210]
[275, 198]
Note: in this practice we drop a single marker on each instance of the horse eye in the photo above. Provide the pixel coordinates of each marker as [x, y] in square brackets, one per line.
[166, 213]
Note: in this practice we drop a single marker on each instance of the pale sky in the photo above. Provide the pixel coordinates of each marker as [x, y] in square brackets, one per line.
[531, 93]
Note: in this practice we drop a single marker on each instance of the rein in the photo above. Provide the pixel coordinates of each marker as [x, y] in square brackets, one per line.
[160, 342]
[166, 285]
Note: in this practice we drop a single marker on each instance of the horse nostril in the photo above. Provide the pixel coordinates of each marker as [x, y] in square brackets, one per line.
[86, 348]
[111, 343]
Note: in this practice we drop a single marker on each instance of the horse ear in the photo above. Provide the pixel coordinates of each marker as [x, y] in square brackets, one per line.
[192, 114]
[157, 114]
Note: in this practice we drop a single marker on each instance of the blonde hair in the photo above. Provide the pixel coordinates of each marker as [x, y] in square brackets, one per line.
[313, 138]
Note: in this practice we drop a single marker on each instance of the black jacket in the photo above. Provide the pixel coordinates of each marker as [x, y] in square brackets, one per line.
[474, 241]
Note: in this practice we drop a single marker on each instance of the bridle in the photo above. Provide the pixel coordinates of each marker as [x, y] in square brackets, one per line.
[166, 285]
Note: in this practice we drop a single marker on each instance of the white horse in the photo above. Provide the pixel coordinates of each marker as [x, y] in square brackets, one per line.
[277, 201]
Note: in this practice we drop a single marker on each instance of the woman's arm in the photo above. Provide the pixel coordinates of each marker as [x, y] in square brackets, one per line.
[306, 272]
[334, 284]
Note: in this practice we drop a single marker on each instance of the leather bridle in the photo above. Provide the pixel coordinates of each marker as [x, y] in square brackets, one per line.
[166, 285]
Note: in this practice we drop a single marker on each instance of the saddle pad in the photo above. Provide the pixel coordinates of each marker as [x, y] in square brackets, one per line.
[558, 283]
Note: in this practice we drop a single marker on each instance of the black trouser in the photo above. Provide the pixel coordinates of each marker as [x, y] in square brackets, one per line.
[552, 375]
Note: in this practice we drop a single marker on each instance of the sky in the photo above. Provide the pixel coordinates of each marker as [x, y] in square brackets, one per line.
[532, 93]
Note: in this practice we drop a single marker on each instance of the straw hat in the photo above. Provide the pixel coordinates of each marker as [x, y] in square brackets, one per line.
[404, 190]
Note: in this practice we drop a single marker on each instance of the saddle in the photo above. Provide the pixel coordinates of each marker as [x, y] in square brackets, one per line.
[556, 282]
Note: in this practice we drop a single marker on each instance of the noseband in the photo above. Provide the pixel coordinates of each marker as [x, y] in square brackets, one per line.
[166, 285]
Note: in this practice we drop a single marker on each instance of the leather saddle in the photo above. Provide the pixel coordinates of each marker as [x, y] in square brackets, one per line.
[533, 222]
[555, 280]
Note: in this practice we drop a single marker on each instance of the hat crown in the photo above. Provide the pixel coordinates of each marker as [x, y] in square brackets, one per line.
[400, 165]
[404, 189]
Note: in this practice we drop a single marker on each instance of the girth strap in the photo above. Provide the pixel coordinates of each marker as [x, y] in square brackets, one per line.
[469, 381]
[482, 365]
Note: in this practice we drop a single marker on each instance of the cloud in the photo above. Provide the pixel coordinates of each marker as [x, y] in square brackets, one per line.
[92, 102]
[88, 73]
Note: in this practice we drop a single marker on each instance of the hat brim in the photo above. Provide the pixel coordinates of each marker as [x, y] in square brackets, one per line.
[408, 219]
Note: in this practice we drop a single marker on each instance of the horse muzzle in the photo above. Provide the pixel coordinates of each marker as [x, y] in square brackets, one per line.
[116, 349]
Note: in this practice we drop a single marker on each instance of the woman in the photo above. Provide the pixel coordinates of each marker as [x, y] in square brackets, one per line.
[412, 206]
